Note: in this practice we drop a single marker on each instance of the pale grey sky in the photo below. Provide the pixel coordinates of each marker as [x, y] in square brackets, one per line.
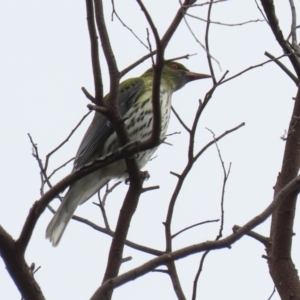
[45, 60]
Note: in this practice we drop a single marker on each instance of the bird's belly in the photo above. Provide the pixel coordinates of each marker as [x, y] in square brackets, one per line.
[139, 127]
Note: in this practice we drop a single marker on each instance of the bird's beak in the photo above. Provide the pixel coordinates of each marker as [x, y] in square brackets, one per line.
[196, 76]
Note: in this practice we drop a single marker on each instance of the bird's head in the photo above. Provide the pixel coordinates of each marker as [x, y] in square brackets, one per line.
[177, 75]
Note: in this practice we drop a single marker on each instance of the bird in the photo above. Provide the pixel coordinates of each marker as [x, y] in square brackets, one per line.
[135, 107]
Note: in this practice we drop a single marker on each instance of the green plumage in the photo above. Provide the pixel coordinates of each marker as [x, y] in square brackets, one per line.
[135, 106]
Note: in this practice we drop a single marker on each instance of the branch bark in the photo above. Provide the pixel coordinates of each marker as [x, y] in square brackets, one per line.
[281, 266]
[281, 197]
[17, 267]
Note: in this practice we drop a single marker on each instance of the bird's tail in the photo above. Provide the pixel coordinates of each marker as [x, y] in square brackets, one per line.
[59, 223]
[78, 193]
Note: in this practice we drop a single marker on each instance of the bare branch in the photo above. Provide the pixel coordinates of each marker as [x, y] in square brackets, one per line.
[226, 24]
[273, 293]
[283, 67]
[114, 74]
[139, 61]
[109, 190]
[207, 43]
[65, 141]
[199, 42]
[150, 22]
[88, 95]
[198, 114]
[98, 84]
[100, 109]
[187, 56]
[261, 11]
[294, 26]
[269, 9]
[176, 21]
[262, 239]
[177, 189]
[225, 178]
[175, 280]
[111, 233]
[149, 45]
[281, 266]
[114, 12]
[150, 188]
[196, 248]
[254, 67]
[180, 120]
[203, 4]
[161, 271]
[175, 174]
[35, 154]
[195, 282]
[192, 226]
[60, 167]
[220, 234]
[217, 139]
[126, 259]
[15, 264]
[40, 205]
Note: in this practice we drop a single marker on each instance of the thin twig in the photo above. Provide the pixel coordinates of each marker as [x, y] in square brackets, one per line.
[161, 271]
[217, 139]
[114, 12]
[126, 259]
[43, 174]
[294, 26]
[273, 293]
[180, 120]
[98, 83]
[200, 268]
[136, 63]
[175, 174]
[202, 4]
[199, 42]
[225, 178]
[196, 248]
[226, 24]
[192, 226]
[149, 45]
[254, 67]
[109, 190]
[261, 11]
[88, 95]
[269, 9]
[60, 167]
[256, 236]
[65, 141]
[187, 56]
[220, 234]
[111, 233]
[292, 128]
[170, 134]
[283, 67]
[150, 188]
[207, 43]
[100, 109]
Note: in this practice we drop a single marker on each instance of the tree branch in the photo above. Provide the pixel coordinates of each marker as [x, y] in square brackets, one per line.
[196, 248]
[98, 83]
[17, 267]
[269, 9]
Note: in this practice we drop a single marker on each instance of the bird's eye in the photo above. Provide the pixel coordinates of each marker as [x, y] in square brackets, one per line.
[174, 66]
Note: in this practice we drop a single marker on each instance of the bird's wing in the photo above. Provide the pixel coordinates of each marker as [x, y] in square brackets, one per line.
[100, 128]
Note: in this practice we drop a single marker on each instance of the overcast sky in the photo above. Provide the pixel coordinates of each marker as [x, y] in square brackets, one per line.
[45, 60]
